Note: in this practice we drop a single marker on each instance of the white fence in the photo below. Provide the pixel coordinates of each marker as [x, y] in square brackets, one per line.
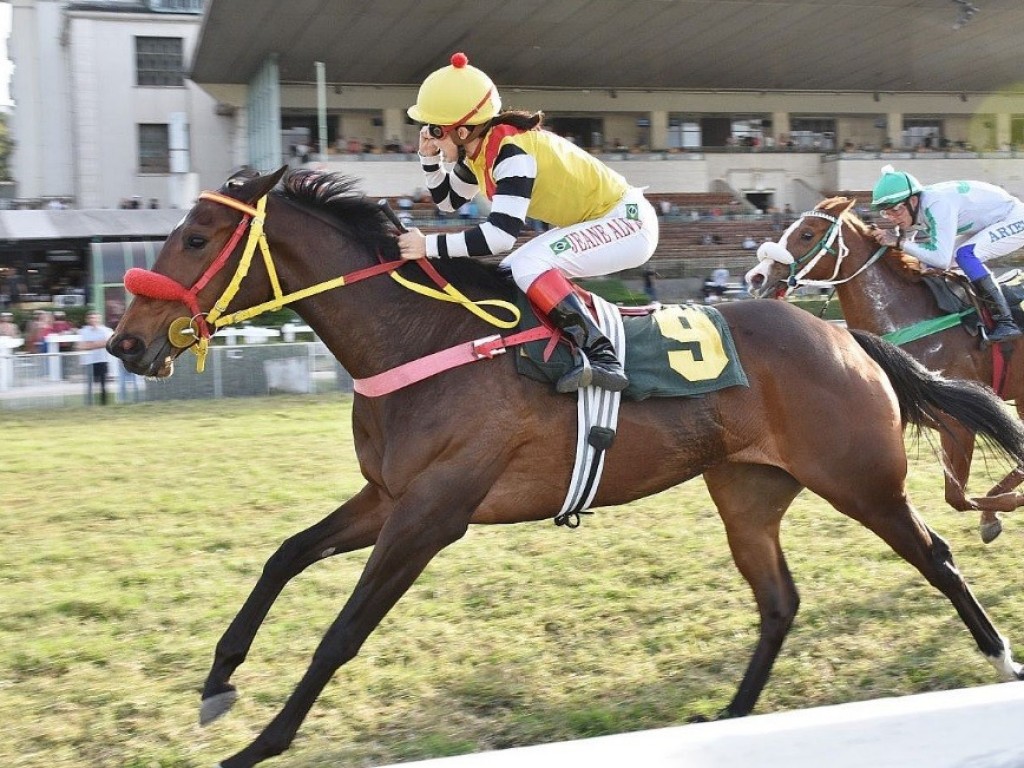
[58, 379]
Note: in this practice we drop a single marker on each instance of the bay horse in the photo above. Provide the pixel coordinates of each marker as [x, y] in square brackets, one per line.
[481, 444]
[882, 292]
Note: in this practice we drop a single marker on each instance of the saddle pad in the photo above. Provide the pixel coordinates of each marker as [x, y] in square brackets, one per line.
[676, 351]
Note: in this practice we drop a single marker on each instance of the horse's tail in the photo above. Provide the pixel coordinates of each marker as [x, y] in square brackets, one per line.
[925, 395]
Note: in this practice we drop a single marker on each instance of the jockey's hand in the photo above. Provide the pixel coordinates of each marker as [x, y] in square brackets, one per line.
[887, 237]
[428, 144]
[412, 245]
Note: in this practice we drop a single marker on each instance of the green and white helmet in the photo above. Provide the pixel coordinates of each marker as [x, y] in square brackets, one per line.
[894, 187]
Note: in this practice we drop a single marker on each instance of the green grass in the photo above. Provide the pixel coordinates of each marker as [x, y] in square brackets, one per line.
[133, 534]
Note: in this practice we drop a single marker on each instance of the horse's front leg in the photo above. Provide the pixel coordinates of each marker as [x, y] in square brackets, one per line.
[354, 525]
[422, 524]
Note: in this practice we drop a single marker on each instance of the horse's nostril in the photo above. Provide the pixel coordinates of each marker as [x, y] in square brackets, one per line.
[127, 346]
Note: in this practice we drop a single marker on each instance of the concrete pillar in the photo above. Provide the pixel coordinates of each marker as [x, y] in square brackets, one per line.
[394, 126]
[1003, 131]
[894, 129]
[780, 127]
[659, 130]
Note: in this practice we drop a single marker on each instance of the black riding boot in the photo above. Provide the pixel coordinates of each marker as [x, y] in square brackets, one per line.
[992, 295]
[599, 366]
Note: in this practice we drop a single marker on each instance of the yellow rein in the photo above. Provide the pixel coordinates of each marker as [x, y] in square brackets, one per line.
[257, 237]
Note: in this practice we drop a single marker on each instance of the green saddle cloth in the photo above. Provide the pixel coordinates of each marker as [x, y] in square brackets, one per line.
[676, 351]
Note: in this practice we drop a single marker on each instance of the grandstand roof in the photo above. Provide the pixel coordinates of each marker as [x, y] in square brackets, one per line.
[788, 45]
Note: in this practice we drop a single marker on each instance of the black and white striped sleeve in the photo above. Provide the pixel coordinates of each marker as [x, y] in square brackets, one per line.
[514, 173]
[449, 190]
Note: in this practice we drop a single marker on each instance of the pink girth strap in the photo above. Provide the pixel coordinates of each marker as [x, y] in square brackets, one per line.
[468, 352]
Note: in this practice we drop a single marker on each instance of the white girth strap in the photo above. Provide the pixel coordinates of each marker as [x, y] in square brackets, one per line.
[594, 408]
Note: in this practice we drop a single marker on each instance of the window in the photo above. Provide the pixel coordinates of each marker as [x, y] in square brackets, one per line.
[922, 133]
[158, 61]
[813, 132]
[154, 148]
[683, 133]
[176, 6]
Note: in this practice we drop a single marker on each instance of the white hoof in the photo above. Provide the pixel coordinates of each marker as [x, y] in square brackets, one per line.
[216, 706]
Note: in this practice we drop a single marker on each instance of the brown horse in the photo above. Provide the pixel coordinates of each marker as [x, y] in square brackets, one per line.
[881, 293]
[481, 444]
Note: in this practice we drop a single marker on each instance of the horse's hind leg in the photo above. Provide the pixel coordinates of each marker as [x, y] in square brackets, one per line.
[958, 452]
[751, 499]
[353, 525]
[887, 512]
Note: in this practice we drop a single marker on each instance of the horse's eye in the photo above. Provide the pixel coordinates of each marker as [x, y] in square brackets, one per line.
[195, 241]
[806, 234]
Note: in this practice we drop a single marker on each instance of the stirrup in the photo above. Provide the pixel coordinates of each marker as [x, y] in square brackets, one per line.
[1010, 334]
[579, 377]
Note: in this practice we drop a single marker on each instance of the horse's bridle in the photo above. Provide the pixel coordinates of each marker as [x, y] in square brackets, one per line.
[194, 330]
[833, 237]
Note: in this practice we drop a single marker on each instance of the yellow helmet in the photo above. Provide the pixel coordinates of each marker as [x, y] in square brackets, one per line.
[456, 95]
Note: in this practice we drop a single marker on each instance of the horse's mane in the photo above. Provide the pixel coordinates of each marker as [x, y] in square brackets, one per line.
[363, 220]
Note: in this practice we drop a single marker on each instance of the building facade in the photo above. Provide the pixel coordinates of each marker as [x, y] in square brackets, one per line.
[105, 116]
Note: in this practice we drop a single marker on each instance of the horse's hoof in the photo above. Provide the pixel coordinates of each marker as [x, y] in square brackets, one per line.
[216, 706]
[990, 531]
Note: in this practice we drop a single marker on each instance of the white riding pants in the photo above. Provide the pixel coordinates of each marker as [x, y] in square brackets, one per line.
[625, 238]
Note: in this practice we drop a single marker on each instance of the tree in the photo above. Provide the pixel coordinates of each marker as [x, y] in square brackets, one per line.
[6, 148]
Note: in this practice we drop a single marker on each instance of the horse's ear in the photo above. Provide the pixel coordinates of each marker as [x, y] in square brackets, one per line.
[251, 189]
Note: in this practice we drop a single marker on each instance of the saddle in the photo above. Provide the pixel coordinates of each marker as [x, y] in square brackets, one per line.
[954, 294]
[670, 350]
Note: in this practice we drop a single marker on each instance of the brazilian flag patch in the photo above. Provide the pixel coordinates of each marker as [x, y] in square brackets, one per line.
[632, 212]
[561, 246]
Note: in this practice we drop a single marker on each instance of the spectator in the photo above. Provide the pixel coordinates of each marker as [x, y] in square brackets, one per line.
[93, 342]
[38, 328]
[8, 327]
[749, 243]
[650, 282]
[61, 324]
[716, 285]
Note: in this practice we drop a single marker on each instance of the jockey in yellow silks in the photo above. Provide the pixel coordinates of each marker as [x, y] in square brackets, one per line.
[597, 223]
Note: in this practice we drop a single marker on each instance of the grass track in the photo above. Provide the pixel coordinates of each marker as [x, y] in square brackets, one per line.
[132, 535]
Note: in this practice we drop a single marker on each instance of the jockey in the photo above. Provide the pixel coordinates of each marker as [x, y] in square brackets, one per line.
[598, 222]
[969, 221]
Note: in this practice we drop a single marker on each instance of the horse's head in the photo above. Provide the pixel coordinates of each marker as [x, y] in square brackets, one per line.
[810, 251]
[191, 273]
